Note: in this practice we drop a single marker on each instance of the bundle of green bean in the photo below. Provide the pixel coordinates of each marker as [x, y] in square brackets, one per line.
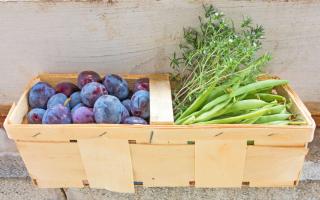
[213, 54]
[253, 103]
[215, 76]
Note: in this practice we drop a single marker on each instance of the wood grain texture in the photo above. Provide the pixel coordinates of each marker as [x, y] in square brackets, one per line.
[163, 165]
[219, 163]
[107, 164]
[273, 166]
[53, 165]
[139, 36]
[161, 111]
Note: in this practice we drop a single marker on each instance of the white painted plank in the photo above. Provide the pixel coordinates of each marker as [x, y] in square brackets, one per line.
[139, 36]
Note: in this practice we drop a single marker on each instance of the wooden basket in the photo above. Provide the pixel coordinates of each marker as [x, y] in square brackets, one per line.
[115, 157]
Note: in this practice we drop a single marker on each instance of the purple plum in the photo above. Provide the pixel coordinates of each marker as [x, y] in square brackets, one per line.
[35, 115]
[116, 86]
[141, 84]
[83, 115]
[124, 113]
[66, 88]
[59, 98]
[76, 107]
[39, 95]
[86, 77]
[140, 104]
[108, 109]
[75, 99]
[134, 120]
[91, 92]
[57, 114]
[127, 104]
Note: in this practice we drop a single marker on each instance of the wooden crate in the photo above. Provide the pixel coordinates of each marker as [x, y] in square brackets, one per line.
[115, 157]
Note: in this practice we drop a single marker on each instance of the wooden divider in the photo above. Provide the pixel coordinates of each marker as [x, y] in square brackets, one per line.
[161, 111]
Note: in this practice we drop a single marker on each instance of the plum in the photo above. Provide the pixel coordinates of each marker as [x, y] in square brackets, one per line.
[124, 113]
[76, 107]
[116, 86]
[82, 115]
[134, 120]
[75, 99]
[91, 92]
[59, 98]
[140, 104]
[141, 84]
[86, 77]
[66, 88]
[39, 95]
[108, 109]
[57, 114]
[35, 115]
[127, 104]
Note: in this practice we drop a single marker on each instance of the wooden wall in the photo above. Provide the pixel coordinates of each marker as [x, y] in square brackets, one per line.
[138, 36]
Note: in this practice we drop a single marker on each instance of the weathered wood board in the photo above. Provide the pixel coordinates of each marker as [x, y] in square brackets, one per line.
[138, 36]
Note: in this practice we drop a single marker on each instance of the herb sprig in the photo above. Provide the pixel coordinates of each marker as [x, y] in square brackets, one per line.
[214, 54]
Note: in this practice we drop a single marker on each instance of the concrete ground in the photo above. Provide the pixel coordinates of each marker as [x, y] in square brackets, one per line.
[21, 189]
[15, 184]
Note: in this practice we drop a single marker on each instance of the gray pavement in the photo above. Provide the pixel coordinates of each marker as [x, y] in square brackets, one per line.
[21, 189]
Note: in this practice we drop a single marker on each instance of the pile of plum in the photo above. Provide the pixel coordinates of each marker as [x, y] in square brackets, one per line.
[92, 100]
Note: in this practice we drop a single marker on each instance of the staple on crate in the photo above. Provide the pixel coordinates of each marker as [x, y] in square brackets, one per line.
[250, 142]
[132, 141]
[151, 136]
[138, 183]
[246, 183]
[85, 183]
[218, 134]
[190, 142]
[73, 141]
[34, 181]
[102, 134]
[192, 183]
[35, 135]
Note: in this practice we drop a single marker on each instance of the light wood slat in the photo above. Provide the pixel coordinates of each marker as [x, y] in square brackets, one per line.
[273, 166]
[161, 111]
[107, 164]
[163, 165]
[219, 163]
[53, 165]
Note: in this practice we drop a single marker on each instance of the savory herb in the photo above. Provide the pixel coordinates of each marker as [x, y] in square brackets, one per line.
[214, 55]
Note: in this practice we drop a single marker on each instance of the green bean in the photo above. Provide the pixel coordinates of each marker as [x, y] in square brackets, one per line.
[217, 92]
[197, 103]
[270, 118]
[268, 97]
[242, 90]
[210, 93]
[248, 104]
[233, 108]
[210, 114]
[286, 122]
[239, 118]
[275, 110]
[250, 121]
